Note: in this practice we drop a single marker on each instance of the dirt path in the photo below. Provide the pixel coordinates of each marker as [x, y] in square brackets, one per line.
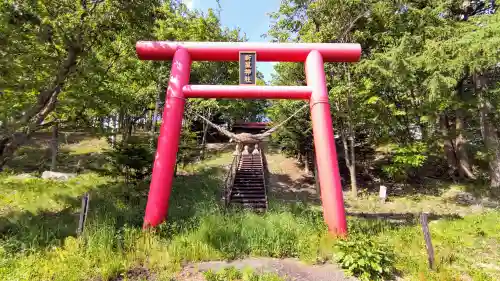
[290, 269]
[288, 182]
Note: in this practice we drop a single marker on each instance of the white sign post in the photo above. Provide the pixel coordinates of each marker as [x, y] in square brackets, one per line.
[383, 193]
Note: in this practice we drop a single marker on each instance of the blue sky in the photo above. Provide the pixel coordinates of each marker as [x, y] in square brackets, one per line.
[250, 16]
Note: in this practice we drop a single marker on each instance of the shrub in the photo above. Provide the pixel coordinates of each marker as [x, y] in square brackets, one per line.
[404, 159]
[133, 159]
[364, 258]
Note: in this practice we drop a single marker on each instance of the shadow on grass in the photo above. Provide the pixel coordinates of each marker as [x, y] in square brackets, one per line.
[31, 159]
[21, 231]
[41, 139]
[375, 223]
[116, 204]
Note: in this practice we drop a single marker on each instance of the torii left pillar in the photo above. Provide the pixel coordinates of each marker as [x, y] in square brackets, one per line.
[313, 55]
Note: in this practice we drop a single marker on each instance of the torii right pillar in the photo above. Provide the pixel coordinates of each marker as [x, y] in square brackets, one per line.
[324, 145]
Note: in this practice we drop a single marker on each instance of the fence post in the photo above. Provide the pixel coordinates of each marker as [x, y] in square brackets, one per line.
[427, 237]
[83, 213]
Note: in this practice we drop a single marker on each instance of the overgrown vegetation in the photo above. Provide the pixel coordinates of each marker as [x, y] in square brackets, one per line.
[417, 114]
[233, 274]
[39, 221]
[425, 90]
[365, 258]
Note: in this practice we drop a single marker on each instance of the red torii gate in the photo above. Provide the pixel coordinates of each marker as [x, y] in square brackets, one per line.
[313, 55]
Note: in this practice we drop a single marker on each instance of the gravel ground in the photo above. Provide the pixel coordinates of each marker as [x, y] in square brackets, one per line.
[290, 269]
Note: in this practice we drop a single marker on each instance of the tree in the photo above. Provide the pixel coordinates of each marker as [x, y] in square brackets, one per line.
[60, 40]
[412, 95]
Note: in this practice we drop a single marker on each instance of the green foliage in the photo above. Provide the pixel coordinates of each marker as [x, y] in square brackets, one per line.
[233, 274]
[296, 136]
[365, 258]
[134, 159]
[417, 66]
[405, 157]
[37, 223]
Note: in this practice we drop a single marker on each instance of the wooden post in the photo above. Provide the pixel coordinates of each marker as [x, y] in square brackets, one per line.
[83, 213]
[427, 237]
[54, 146]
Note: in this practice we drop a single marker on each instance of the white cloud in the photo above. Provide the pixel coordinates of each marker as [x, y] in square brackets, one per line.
[189, 3]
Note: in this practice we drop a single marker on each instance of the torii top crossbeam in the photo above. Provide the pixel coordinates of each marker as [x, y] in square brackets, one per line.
[229, 51]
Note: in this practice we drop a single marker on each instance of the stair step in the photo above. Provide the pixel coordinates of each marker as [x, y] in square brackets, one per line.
[248, 195]
[248, 200]
[248, 187]
[248, 190]
[248, 180]
[257, 200]
[251, 205]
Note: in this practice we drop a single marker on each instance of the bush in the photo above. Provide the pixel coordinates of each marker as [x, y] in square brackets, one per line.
[405, 158]
[133, 159]
[364, 258]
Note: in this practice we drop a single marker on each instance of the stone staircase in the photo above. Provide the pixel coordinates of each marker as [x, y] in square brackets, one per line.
[248, 190]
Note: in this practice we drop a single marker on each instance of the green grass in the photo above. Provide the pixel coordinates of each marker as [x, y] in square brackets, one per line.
[38, 221]
[232, 274]
[463, 247]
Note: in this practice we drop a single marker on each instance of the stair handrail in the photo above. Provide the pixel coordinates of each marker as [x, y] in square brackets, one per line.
[261, 157]
[230, 177]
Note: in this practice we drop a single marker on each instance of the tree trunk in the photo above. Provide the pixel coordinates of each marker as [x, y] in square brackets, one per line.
[114, 129]
[204, 138]
[449, 146]
[54, 146]
[126, 128]
[352, 156]
[352, 170]
[9, 144]
[18, 131]
[149, 122]
[348, 162]
[488, 131]
[464, 166]
[316, 176]
[152, 129]
[101, 125]
[121, 121]
[306, 163]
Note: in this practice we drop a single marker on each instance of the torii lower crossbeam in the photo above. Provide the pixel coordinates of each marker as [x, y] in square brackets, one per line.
[313, 55]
